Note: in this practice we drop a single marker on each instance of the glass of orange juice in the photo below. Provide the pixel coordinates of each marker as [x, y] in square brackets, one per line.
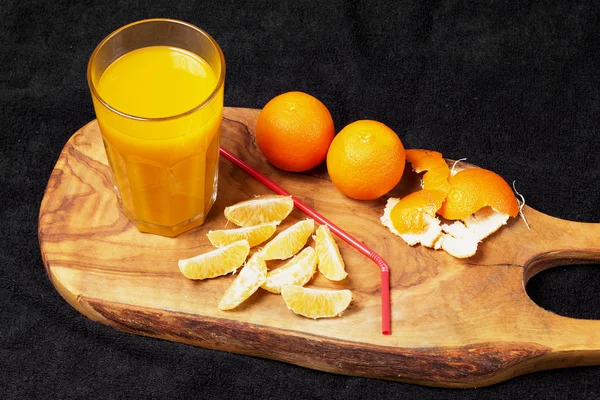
[157, 89]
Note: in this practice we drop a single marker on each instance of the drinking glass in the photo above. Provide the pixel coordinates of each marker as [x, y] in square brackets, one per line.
[165, 168]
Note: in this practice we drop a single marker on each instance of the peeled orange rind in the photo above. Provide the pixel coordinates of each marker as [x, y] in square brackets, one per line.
[260, 210]
[429, 229]
[408, 214]
[474, 188]
[485, 221]
[221, 261]
[479, 201]
[314, 303]
[435, 168]
[461, 238]
[250, 278]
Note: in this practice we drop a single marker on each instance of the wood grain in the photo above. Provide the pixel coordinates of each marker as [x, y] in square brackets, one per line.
[455, 323]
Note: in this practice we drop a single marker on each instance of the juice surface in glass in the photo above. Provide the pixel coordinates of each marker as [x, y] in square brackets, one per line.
[165, 168]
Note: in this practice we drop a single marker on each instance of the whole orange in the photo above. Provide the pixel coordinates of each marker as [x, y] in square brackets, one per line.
[294, 131]
[366, 160]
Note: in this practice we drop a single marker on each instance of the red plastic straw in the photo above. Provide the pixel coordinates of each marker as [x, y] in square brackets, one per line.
[385, 270]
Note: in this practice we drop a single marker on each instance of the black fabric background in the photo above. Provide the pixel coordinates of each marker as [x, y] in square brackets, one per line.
[512, 85]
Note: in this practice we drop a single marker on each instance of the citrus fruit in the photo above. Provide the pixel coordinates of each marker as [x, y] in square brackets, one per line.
[313, 303]
[217, 262]
[474, 188]
[329, 258]
[251, 276]
[435, 168]
[408, 214]
[294, 131]
[365, 160]
[297, 271]
[260, 210]
[255, 235]
[288, 242]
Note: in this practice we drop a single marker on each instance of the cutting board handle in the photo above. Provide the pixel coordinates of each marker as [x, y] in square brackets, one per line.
[559, 243]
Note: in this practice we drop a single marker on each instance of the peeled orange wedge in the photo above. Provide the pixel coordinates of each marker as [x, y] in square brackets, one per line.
[329, 258]
[260, 210]
[251, 276]
[259, 219]
[313, 303]
[297, 271]
[288, 242]
[255, 235]
[475, 188]
[217, 262]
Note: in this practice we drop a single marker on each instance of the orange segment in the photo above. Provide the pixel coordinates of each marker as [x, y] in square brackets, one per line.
[437, 171]
[298, 271]
[331, 263]
[255, 235]
[313, 303]
[288, 242]
[475, 188]
[221, 261]
[407, 216]
[260, 210]
[252, 275]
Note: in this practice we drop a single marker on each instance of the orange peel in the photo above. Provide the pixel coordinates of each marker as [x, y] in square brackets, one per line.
[478, 201]
[414, 215]
[474, 188]
[435, 167]
[408, 214]
[461, 238]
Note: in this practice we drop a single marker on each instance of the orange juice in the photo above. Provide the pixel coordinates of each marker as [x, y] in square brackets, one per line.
[161, 135]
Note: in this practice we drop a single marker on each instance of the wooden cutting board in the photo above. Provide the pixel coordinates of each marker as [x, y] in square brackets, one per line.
[455, 323]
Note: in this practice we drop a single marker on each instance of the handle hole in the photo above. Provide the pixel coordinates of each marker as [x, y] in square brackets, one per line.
[571, 291]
